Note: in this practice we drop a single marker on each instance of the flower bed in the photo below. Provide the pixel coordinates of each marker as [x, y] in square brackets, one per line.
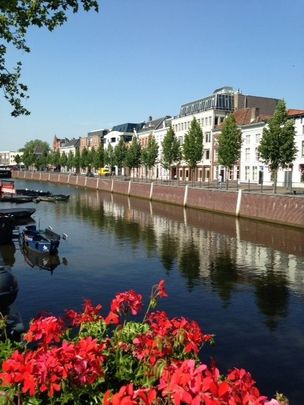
[85, 358]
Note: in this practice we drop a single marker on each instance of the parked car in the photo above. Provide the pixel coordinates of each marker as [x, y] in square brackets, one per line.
[104, 171]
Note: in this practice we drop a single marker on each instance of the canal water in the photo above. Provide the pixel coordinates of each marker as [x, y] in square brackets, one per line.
[241, 280]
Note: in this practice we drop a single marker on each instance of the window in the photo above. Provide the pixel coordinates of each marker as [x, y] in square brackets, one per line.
[113, 140]
[207, 136]
[257, 138]
[254, 173]
[247, 153]
[247, 139]
[257, 154]
[302, 148]
[247, 171]
[207, 154]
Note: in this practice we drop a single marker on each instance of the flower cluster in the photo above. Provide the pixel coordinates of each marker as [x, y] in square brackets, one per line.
[85, 359]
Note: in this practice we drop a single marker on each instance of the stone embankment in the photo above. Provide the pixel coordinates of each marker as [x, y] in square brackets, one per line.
[276, 208]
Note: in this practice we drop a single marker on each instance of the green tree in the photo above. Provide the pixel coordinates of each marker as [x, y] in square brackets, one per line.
[84, 158]
[35, 152]
[171, 149]
[229, 143]
[133, 156]
[18, 159]
[120, 152]
[193, 145]
[76, 160]
[277, 148]
[109, 157]
[99, 158]
[63, 159]
[92, 157]
[150, 153]
[17, 16]
[56, 159]
[70, 160]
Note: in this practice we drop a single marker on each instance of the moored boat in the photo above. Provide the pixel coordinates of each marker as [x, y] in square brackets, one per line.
[39, 240]
[18, 213]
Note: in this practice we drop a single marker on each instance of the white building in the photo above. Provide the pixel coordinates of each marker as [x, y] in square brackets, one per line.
[252, 169]
[7, 158]
[210, 113]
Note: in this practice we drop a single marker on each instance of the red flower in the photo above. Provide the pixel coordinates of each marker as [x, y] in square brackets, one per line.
[126, 302]
[47, 329]
[19, 369]
[160, 289]
[89, 314]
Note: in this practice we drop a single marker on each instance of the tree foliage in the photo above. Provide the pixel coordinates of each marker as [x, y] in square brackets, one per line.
[35, 152]
[98, 157]
[16, 17]
[229, 143]
[171, 149]
[109, 156]
[120, 152]
[277, 148]
[150, 153]
[193, 144]
[133, 156]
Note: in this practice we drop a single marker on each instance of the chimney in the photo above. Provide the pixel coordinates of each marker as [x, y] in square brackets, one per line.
[254, 113]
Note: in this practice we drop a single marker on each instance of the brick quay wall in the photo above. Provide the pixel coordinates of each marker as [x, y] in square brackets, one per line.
[275, 208]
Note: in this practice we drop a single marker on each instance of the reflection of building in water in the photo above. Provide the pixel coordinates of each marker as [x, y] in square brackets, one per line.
[212, 247]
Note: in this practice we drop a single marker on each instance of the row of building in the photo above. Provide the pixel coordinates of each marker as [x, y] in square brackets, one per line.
[251, 114]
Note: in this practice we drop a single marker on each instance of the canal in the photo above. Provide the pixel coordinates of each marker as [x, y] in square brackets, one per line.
[241, 280]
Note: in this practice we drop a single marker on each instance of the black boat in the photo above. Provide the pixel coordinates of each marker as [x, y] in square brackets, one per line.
[18, 213]
[17, 199]
[32, 193]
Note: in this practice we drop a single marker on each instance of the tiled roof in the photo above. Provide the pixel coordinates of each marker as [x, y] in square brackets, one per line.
[247, 116]
[293, 113]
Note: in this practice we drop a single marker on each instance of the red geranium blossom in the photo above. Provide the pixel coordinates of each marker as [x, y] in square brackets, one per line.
[47, 330]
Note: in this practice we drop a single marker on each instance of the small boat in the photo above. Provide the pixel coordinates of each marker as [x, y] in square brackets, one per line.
[7, 187]
[18, 213]
[48, 198]
[53, 198]
[61, 197]
[39, 240]
[6, 228]
[17, 199]
[32, 193]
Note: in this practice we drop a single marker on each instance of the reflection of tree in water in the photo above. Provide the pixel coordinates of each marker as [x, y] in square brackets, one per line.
[168, 250]
[223, 275]
[189, 263]
[271, 291]
[149, 238]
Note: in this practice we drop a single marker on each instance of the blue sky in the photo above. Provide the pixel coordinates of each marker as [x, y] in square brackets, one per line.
[141, 58]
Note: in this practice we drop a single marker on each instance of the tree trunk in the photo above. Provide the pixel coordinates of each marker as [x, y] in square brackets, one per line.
[275, 180]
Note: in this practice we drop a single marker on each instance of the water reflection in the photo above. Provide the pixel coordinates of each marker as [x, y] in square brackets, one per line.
[43, 261]
[218, 250]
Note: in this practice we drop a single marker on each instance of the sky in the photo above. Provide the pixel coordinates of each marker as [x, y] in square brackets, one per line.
[141, 58]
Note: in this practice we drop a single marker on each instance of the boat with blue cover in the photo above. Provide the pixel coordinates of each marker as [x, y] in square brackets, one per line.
[44, 241]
